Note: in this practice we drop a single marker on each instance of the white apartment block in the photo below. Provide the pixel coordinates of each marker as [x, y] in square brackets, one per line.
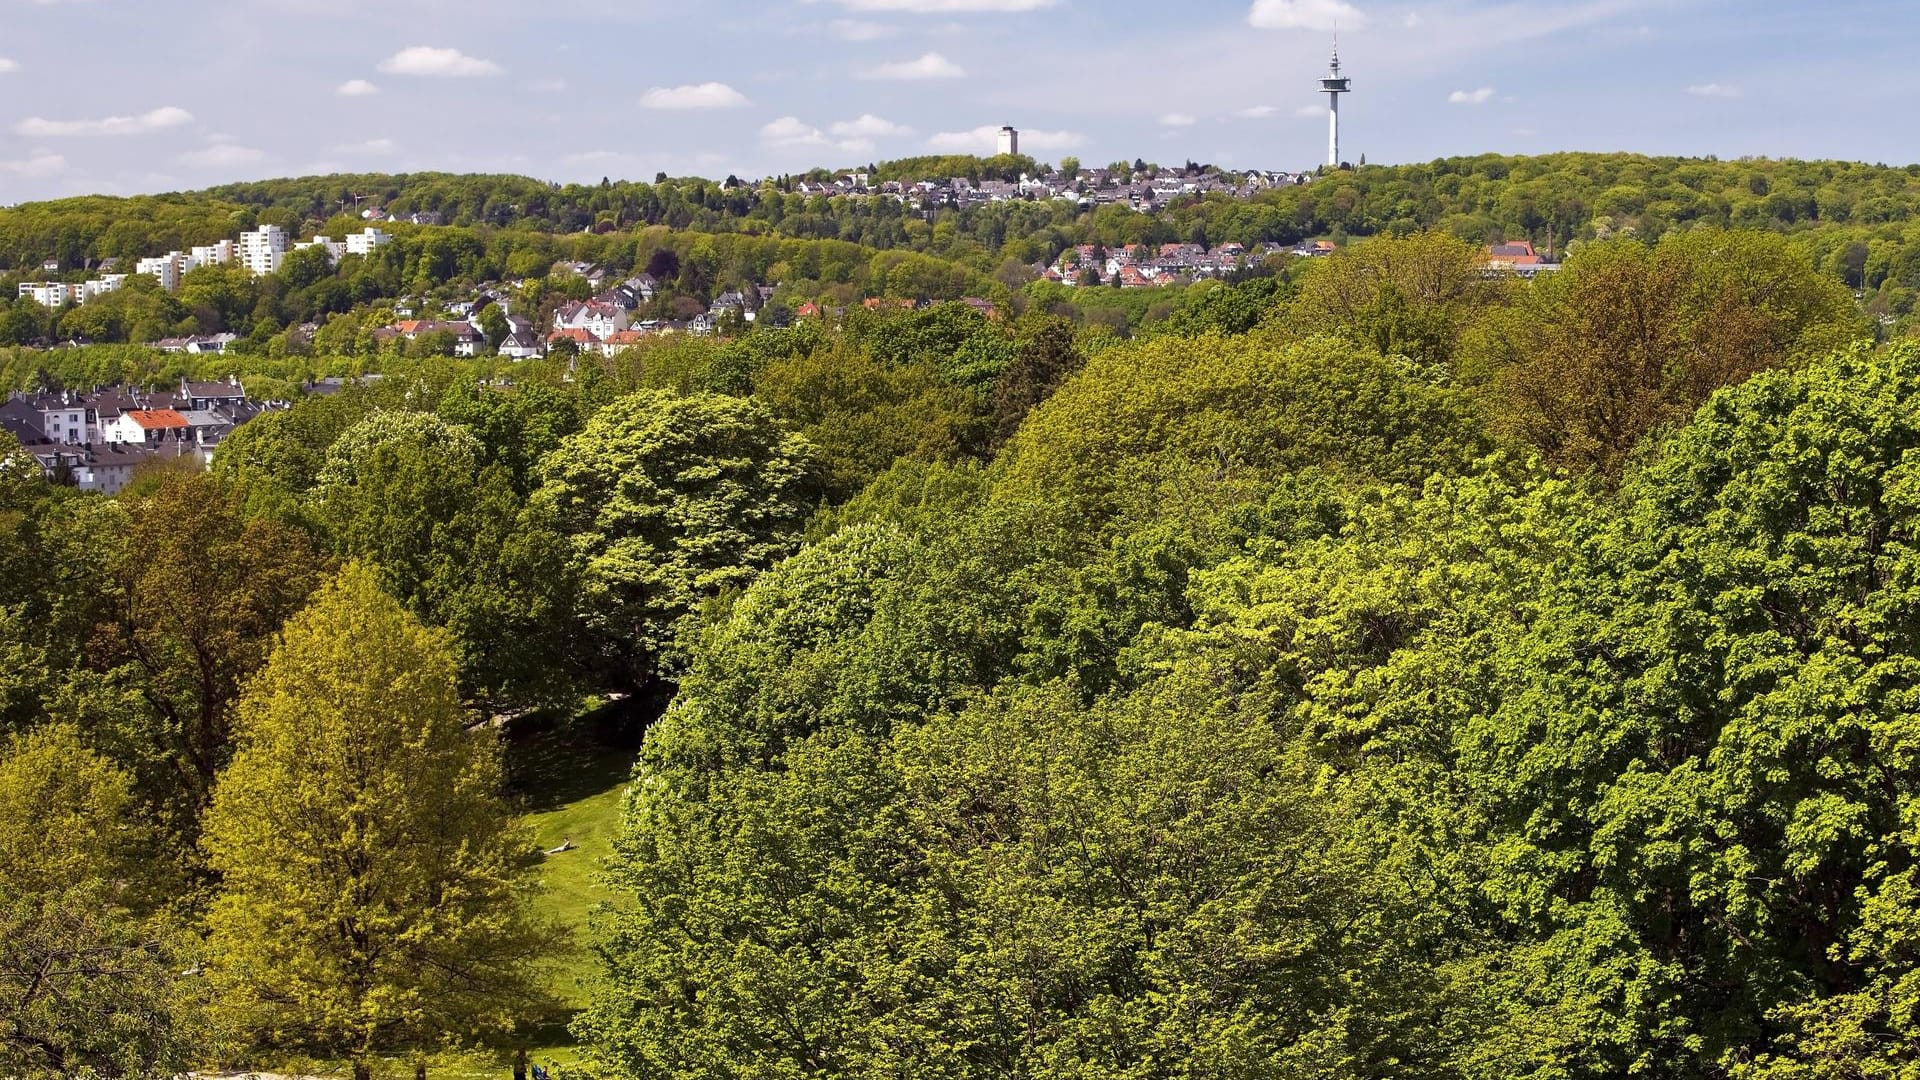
[51, 294]
[365, 243]
[100, 286]
[215, 254]
[264, 249]
[332, 247]
[167, 268]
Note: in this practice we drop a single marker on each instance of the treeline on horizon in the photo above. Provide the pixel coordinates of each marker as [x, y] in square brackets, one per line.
[1387, 671]
[1562, 198]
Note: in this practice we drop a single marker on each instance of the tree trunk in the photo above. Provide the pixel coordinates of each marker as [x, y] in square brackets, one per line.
[520, 1064]
[362, 1070]
[420, 1070]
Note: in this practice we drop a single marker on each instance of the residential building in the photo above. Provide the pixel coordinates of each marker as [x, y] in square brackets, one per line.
[147, 427]
[51, 294]
[334, 248]
[218, 253]
[597, 318]
[367, 241]
[211, 395]
[167, 268]
[62, 416]
[264, 249]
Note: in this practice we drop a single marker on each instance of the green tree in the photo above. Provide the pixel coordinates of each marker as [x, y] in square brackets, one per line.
[667, 501]
[372, 895]
[92, 982]
[1628, 339]
[193, 593]
[1416, 298]
[1138, 414]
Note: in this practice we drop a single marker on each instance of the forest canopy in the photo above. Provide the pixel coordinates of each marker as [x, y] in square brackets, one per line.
[1367, 666]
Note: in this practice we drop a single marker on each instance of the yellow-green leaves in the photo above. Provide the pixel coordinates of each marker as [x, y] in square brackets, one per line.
[370, 889]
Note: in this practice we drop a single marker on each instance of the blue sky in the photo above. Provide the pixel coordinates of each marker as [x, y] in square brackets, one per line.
[124, 96]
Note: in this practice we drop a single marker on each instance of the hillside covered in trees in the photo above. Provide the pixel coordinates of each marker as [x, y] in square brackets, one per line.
[1365, 667]
[1855, 222]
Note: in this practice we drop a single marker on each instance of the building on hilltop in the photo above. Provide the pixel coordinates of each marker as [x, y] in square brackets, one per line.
[1009, 141]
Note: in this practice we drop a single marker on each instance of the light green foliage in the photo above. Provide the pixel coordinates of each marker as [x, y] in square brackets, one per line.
[668, 501]
[371, 892]
[1232, 404]
[89, 981]
[1414, 298]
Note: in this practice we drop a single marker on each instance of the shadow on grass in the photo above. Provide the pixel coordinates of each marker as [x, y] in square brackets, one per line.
[553, 759]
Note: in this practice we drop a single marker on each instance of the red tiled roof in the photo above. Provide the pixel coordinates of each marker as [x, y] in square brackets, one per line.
[156, 419]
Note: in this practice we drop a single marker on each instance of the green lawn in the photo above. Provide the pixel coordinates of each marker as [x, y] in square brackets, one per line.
[571, 778]
[570, 886]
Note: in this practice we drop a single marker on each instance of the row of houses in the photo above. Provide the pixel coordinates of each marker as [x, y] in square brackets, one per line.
[1145, 266]
[1087, 188]
[97, 439]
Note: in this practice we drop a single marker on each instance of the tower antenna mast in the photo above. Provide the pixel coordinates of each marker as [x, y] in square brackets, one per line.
[1333, 86]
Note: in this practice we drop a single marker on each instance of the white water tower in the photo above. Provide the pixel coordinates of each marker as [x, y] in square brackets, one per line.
[1009, 141]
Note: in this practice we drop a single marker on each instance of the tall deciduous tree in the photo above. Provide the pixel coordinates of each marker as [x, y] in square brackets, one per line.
[372, 895]
[195, 593]
[668, 501]
[1628, 339]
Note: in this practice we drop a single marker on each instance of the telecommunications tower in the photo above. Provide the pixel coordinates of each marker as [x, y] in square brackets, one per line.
[1334, 85]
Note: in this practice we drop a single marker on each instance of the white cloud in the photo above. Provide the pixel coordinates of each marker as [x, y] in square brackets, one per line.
[1175, 119]
[1310, 112]
[930, 66]
[869, 126]
[356, 88]
[945, 7]
[860, 30]
[1714, 90]
[1471, 97]
[221, 156]
[431, 62]
[791, 131]
[1305, 15]
[986, 139]
[167, 116]
[1257, 112]
[709, 95]
[40, 163]
[370, 146]
[8, 66]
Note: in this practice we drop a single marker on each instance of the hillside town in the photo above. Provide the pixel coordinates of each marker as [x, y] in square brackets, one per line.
[97, 440]
[1142, 188]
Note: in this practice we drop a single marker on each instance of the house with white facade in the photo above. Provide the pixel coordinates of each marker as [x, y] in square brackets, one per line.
[146, 427]
[595, 317]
